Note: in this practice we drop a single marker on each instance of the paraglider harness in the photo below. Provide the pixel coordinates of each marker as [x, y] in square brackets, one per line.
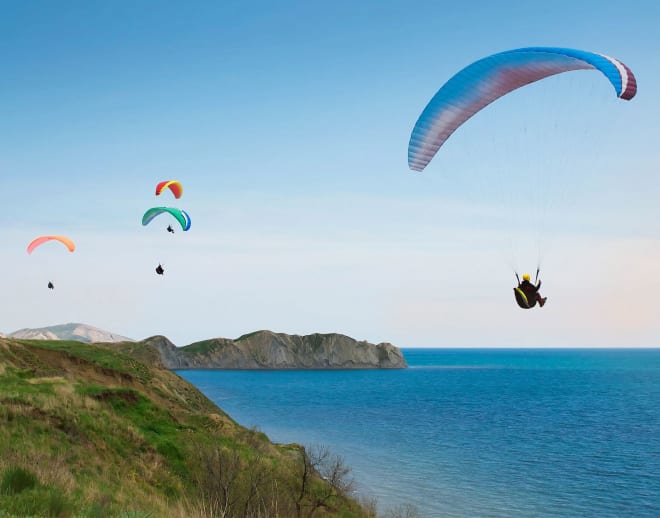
[526, 300]
[160, 270]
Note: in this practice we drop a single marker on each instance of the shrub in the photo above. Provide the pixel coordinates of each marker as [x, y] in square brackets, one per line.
[16, 479]
[40, 501]
[56, 503]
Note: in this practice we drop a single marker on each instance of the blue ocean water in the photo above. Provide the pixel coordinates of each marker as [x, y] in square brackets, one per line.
[499, 433]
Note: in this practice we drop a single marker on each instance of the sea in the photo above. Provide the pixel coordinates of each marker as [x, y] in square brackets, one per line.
[473, 432]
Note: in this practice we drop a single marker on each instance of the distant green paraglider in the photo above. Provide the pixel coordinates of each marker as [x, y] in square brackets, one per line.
[180, 215]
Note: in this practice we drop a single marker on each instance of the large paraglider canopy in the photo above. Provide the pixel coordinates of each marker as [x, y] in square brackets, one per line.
[180, 215]
[43, 239]
[490, 78]
[173, 185]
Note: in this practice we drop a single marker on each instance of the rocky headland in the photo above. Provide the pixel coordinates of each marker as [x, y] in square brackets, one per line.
[269, 350]
[257, 350]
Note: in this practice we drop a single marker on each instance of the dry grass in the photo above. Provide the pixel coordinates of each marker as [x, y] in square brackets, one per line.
[49, 470]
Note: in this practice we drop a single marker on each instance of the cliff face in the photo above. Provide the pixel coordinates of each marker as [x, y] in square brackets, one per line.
[168, 352]
[268, 350]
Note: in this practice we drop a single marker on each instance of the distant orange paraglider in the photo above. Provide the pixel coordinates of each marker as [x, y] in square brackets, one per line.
[43, 239]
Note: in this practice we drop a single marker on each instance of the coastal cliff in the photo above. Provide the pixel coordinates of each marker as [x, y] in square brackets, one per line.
[268, 350]
[101, 429]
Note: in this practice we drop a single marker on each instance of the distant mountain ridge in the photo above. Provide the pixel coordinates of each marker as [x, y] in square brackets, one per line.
[70, 331]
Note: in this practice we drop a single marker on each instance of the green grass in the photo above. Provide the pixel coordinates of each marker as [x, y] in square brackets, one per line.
[202, 347]
[15, 480]
[86, 431]
[21, 493]
[248, 335]
[97, 354]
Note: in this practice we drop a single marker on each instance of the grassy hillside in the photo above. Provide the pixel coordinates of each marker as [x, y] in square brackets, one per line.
[103, 430]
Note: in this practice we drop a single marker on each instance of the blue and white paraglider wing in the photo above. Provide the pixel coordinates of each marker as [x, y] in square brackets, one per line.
[490, 78]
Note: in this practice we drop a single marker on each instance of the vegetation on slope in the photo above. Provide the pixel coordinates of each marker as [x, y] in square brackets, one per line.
[87, 430]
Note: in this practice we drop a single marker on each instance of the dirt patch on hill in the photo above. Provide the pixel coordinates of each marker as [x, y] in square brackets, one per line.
[109, 396]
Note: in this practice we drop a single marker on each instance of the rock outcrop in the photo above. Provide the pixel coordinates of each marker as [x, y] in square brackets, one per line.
[268, 350]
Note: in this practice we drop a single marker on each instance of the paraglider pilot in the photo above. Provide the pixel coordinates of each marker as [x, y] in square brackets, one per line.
[51, 286]
[170, 229]
[160, 270]
[527, 294]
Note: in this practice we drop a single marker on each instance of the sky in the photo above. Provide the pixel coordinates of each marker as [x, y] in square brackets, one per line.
[288, 125]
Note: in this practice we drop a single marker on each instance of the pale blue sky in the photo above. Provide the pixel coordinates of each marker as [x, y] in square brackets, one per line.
[288, 124]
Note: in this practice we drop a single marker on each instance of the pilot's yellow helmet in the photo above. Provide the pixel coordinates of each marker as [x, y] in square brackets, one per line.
[526, 277]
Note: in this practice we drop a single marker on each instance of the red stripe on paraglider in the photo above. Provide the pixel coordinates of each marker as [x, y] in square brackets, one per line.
[631, 86]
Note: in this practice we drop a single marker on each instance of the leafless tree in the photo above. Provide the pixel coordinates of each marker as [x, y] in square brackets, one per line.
[233, 486]
[312, 493]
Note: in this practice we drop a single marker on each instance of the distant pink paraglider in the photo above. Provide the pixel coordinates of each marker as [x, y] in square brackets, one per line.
[43, 239]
